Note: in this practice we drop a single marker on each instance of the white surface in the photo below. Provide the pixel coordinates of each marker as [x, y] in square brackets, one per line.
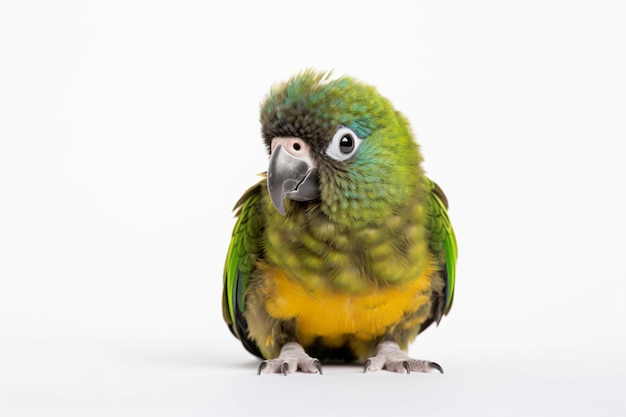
[129, 129]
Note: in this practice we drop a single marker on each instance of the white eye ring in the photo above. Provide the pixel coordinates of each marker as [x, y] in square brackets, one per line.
[344, 144]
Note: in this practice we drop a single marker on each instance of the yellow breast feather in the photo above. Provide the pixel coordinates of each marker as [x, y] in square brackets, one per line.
[333, 315]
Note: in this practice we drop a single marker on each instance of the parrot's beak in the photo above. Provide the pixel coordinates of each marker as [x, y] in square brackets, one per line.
[291, 176]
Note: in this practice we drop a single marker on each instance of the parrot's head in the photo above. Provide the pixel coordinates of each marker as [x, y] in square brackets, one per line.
[337, 143]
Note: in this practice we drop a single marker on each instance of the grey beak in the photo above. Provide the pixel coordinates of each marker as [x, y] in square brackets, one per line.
[292, 177]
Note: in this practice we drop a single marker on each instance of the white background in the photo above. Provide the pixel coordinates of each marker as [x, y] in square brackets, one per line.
[128, 129]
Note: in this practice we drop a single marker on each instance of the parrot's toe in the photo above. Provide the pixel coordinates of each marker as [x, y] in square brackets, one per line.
[318, 365]
[262, 366]
[436, 366]
[291, 359]
[389, 356]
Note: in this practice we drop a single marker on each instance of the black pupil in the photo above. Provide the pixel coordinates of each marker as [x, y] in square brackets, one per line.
[346, 144]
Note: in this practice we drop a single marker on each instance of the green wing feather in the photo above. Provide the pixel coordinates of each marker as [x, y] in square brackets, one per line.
[442, 239]
[244, 250]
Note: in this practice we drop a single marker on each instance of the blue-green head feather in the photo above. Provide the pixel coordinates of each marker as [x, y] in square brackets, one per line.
[382, 173]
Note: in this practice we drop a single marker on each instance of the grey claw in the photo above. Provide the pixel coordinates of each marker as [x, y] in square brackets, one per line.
[367, 365]
[262, 366]
[406, 365]
[318, 366]
[436, 366]
[284, 368]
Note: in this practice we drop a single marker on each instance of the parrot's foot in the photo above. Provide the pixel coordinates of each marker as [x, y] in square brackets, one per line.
[292, 357]
[390, 357]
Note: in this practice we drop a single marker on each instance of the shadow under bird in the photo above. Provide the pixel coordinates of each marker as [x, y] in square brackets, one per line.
[344, 250]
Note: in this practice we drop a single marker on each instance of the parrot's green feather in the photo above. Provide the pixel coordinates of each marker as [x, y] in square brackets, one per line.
[443, 240]
[244, 250]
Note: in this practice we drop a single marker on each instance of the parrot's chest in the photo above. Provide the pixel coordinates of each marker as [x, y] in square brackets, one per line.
[335, 315]
[345, 286]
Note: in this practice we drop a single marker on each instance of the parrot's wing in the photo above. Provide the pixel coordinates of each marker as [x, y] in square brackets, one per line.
[244, 251]
[442, 244]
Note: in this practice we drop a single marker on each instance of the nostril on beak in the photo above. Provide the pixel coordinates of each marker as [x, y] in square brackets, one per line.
[295, 146]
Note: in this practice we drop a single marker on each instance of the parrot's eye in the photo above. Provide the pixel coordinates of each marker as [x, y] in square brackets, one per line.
[344, 144]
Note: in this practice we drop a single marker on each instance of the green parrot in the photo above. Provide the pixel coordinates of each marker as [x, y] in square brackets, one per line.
[344, 250]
